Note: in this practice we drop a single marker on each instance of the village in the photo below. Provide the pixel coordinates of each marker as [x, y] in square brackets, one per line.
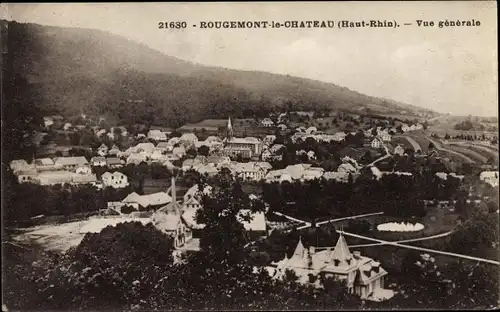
[281, 154]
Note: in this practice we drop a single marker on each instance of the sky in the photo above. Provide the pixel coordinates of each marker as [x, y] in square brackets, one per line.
[450, 70]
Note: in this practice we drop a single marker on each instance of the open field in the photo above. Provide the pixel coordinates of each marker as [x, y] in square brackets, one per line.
[207, 124]
[54, 237]
[443, 130]
[467, 152]
[488, 146]
[440, 148]
[420, 139]
[486, 152]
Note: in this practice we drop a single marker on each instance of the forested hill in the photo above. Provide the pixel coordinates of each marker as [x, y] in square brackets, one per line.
[67, 69]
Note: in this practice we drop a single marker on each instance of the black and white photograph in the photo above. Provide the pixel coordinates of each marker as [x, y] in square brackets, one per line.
[250, 156]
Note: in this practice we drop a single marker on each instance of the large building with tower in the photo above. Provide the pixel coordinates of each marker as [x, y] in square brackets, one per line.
[245, 147]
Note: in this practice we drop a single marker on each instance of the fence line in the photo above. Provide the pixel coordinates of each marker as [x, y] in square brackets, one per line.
[451, 254]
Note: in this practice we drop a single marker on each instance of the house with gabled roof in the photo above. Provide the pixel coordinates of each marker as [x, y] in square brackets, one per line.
[115, 179]
[114, 151]
[399, 150]
[362, 275]
[71, 163]
[114, 162]
[102, 150]
[98, 161]
[169, 219]
[267, 122]
[376, 143]
[147, 202]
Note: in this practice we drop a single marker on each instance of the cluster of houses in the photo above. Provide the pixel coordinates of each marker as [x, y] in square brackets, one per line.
[173, 217]
[312, 132]
[267, 122]
[406, 128]
[64, 170]
[59, 170]
[376, 141]
[211, 165]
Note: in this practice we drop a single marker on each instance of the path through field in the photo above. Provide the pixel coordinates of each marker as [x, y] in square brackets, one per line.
[407, 240]
[451, 254]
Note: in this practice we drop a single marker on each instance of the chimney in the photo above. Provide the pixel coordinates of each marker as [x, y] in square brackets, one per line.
[357, 255]
[173, 191]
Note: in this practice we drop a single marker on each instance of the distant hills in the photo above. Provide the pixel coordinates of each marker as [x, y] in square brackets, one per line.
[67, 70]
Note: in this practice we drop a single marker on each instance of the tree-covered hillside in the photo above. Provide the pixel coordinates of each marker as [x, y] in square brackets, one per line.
[73, 69]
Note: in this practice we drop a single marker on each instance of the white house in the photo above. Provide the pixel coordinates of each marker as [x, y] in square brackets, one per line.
[46, 164]
[266, 155]
[70, 163]
[282, 127]
[164, 147]
[149, 201]
[174, 225]
[48, 121]
[269, 139]
[67, 126]
[385, 137]
[490, 177]
[113, 162]
[249, 171]
[144, 148]
[157, 135]
[115, 179]
[20, 165]
[136, 159]
[311, 130]
[346, 168]
[83, 170]
[267, 122]
[398, 150]
[188, 138]
[339, 136]
[102, 150]
[376, 143]
[179, 151]
[100, 133]
[114, 151]
[98, 161]
[363, 276]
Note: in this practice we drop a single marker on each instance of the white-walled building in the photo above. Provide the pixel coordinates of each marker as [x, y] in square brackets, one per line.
[115, 179]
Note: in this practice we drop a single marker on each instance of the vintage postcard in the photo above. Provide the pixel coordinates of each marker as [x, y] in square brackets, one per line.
[250, 156]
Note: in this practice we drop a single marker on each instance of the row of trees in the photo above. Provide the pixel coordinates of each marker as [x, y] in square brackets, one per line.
[130, 267]
[138, 271]
[395, 195]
